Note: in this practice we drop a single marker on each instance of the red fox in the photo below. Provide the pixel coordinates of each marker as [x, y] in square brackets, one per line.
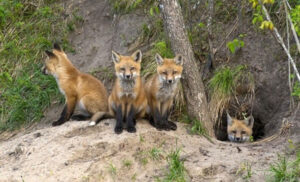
[239, 130]
[127, 102]
[161, 89]
[78, 88]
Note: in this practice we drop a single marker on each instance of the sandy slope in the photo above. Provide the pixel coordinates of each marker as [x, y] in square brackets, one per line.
[75, 152]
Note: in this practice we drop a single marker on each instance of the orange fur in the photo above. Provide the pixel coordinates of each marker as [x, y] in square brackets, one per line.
[161, 89]
[128, 91]
[78, 88]
[239, 130]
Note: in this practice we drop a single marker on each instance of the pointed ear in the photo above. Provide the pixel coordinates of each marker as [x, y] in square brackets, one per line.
[50, 54]
[115, 57]
[137, 56]
[178, 59]
[57, 47]
[229, 119]
[159, 60]
[249, 121]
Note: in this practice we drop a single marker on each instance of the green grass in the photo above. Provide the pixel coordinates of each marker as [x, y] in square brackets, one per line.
[27, 30]
[285, 170]
[245, 171]
[224, 84]
[127, 163]
[176, 171]
[155, 153]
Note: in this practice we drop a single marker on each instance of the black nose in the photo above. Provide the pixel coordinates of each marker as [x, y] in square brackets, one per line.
[44, 71]
[127, 76]
[170, 81]
[238, 139]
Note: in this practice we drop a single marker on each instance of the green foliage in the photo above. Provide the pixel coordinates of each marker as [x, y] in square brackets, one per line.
[296, 90]
[225, 80]
[26, 32]
[285, 170]
[155, 153]
[127, 163]
[295, 16]
[126, 6]
[198, 128]
[177, 171]
[234, 45]
[245, 171]
[164, 49]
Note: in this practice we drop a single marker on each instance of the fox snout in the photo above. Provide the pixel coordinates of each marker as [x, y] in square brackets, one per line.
[238, 139]
[44, 70]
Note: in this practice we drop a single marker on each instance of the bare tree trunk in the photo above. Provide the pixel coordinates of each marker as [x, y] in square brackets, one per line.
[193, 87]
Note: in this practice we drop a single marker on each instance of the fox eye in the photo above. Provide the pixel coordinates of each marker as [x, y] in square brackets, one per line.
[243, 132]
[165, 73]
[122, 69]
[132, 68]
[175, 72]
[234, 132]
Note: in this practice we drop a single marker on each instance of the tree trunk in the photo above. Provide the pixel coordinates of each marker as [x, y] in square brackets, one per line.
[193, 87]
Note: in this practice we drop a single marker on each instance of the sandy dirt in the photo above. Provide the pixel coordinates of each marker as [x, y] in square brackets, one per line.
[76, 152]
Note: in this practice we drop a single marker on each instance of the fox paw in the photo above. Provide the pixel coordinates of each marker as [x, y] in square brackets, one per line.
[131, 129]
[57, 123]
[118, 129]
[172, 125]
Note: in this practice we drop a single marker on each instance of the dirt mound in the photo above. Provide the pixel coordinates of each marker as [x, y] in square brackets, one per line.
[76, 152]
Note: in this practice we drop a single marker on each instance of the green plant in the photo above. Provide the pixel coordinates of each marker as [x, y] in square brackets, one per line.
[164, 49]
[245, 171]
[155, 153]
[198, 128]
[295, 16]
[127, 163]
[296, 90]
[285, 170]
[112, 170]
[26, 32]
[234, 45]
[125, 6]
[224, 87]
[177, 171]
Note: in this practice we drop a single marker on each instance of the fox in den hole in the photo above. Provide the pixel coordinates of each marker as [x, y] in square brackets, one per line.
[161, 89]
[127, 101]
[80, 89]
[239, 130]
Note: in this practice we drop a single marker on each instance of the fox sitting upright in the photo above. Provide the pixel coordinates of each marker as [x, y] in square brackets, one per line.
[78, 88]
[239, 130]
[127, 102]
[161, 89]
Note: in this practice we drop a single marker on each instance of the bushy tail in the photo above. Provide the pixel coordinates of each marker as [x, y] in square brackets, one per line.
[98, 116]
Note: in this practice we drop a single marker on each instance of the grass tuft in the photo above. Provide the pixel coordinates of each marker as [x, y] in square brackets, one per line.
[226, 85]
[177, 171]
[285, 170]
[27, 30]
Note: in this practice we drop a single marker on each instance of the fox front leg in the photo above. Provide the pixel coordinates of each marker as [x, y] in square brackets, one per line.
[165, 115]
[130, 120]
[119, 117]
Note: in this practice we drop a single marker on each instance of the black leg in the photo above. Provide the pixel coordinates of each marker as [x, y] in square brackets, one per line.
[170, 125]
[80, 117]
[119, 118]
[159, 122]
[130, 120]
[63, 117]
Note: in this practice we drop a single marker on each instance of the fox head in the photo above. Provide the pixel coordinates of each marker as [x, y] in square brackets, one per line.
[169, 70]
[127, 67]
[55, 59]
[239, 130]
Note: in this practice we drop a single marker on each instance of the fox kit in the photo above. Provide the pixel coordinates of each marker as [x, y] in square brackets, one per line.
[239, 130]
[78, 88]
[161, 89]
[127, 102]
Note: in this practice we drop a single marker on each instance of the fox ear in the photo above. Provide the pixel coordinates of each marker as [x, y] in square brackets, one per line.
[115, 57]
[229, 119]
[178, 59]
[137, 56]
[50, 54]
[159, 59]
[57, 47]
[249, 121]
